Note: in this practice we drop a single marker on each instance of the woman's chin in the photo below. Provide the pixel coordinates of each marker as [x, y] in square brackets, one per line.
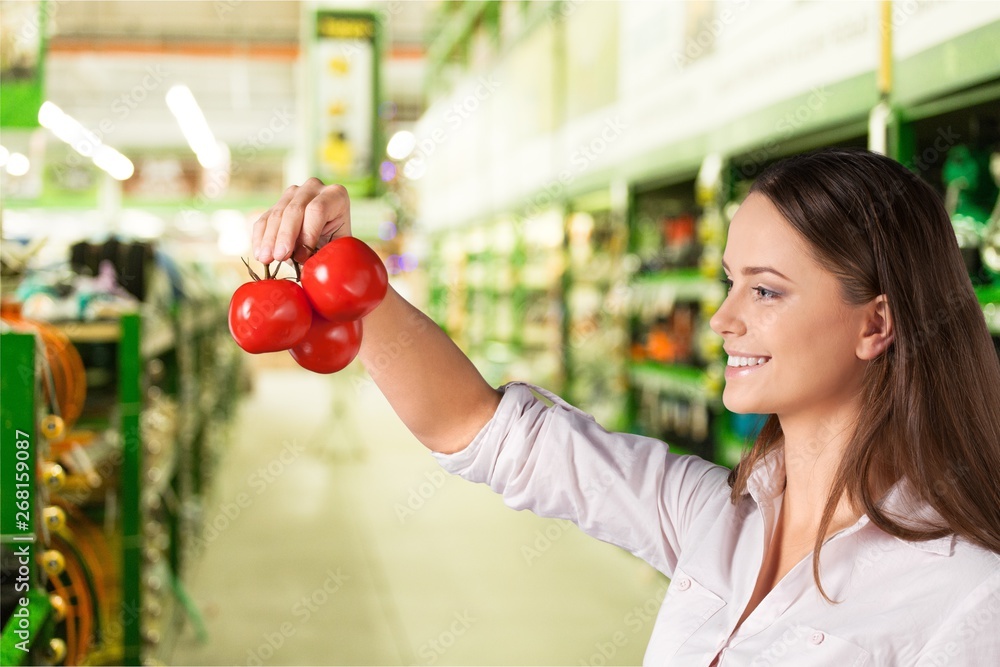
[741, 405]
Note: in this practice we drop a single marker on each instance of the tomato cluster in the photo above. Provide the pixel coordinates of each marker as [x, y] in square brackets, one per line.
[319, 320]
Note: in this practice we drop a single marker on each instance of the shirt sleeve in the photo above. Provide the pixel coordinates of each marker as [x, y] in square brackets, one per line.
[970, 636]
[557, 461]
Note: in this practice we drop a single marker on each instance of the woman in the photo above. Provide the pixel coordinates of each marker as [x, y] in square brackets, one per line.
[850, 320]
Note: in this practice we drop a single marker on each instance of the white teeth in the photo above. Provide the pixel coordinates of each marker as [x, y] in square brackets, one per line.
[746, 361]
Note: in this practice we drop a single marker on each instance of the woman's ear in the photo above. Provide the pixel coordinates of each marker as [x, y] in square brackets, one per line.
[878, 332]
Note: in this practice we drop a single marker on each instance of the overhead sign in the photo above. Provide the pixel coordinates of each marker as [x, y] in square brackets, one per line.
[22, 42]
[345, 99]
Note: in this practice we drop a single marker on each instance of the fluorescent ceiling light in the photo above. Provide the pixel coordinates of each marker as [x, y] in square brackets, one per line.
[196, 131]
[67, 128]
[84, 142]
[18, 164]
[113, 162]
[401, 145]
[414, 169]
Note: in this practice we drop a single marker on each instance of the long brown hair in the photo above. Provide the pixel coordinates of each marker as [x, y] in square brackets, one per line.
[932, 400]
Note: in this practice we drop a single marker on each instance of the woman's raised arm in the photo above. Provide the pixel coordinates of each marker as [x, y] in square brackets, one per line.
[433, 387]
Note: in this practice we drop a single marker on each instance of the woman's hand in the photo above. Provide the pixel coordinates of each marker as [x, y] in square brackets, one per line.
[306, 217]
[433, 387]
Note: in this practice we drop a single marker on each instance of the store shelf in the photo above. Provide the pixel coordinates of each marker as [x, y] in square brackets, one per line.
[22, 499]
[104, 331]
[155, 341]
[675, 380]
[989, 300]
[728, 447]
[670, 287]
[39, 621]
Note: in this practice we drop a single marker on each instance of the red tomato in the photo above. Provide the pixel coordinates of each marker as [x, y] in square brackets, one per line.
[329, 346]
[345, 280]
[269, 315]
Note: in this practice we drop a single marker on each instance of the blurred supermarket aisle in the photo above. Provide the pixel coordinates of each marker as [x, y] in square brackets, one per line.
[335, 539]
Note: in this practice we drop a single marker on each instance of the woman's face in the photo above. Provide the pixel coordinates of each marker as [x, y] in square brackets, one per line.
[790, 337]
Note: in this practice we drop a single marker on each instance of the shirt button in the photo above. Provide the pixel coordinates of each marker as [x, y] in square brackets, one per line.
[683, 584]
[817, 638]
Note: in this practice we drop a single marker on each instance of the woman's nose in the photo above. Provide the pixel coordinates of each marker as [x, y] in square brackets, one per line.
[726, 320]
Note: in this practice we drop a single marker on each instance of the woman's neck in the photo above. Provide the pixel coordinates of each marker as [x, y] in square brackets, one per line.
[814, 447]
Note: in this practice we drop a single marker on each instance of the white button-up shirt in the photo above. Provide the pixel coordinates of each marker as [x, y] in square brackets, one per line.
[927, 604]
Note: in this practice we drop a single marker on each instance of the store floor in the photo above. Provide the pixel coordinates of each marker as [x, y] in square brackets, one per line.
[337, 540]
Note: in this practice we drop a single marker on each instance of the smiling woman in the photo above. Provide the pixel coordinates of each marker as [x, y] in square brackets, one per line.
[882, 332]
[780, 297]
[881, 384]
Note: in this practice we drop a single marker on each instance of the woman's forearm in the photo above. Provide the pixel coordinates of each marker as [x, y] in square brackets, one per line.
[434, 388]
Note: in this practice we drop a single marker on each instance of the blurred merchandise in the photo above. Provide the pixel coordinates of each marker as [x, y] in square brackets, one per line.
[595, 290]
[120, 384]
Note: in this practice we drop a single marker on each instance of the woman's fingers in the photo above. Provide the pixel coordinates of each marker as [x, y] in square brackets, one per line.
[304, 217]
[265, 230]
[327, 215]
[292, 219]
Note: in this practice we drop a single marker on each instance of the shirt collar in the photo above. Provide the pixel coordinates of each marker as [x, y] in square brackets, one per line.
[906, 507]
[767, 481]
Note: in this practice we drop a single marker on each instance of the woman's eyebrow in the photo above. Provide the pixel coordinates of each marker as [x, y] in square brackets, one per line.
[755, 270]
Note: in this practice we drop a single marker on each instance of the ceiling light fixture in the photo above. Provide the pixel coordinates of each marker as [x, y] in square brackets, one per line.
[196, 131]
[401, 145]
[18, 164]
[84, 142]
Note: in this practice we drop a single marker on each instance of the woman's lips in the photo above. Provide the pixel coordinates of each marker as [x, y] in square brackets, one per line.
[739, 366]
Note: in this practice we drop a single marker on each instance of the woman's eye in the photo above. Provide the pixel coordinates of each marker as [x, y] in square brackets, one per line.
[764, 294]
[727, 282]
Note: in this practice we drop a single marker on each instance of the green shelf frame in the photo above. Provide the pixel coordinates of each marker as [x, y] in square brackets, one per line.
[728, 445]
[679, 380]
[989, 301]
[686, 284]
[39, 630]
[130, 360]
[988, 294]
[19, 382]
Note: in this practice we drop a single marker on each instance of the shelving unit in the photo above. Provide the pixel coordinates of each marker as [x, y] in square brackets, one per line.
[124, 484]
[496, 289]
[674, 369]
[688, 149]
[27, 633]
[595, 285]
